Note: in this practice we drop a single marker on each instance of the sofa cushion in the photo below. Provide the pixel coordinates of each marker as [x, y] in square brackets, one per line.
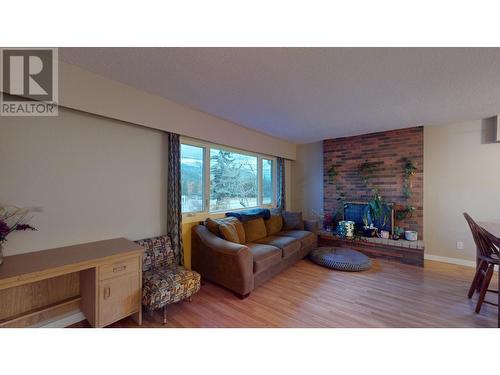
[255, 230]
[307, 238]
[213, 225]
[274, 224]
[264, 256]
[292, 220]
[232, 230]
[288, 245]
[228, 232]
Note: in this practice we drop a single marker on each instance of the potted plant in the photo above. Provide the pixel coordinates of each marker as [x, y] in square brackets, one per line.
[398, 231]
[13, 219]
[368, 230]
[378, 209]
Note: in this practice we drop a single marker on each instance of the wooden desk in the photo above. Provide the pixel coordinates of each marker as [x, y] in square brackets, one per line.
[103, 279]
[494, 229]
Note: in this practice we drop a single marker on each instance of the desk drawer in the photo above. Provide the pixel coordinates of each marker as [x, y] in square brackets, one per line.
[119, 268]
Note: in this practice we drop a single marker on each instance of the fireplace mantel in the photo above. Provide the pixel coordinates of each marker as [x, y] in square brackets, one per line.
[402, 251]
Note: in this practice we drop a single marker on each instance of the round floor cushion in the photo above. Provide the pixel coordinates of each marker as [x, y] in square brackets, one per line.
[341, 259]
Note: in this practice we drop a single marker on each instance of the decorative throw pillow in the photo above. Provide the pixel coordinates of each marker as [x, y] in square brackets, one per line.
[255, 229]
[212, 226]
[292, 220]
[229, 232]
[274, 224]
[238, 226]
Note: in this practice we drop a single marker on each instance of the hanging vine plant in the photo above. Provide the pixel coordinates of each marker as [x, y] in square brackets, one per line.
[409, 170]
[341, 199]
[366, 170]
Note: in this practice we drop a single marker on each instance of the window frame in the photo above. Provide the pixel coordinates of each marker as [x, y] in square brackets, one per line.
[207, 146]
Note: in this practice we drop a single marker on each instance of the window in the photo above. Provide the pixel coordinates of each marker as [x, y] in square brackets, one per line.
[233, 180]
[267, 181]
[192, 186]
[215, 178]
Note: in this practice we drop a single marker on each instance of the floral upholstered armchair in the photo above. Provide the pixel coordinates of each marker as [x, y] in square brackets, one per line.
[164, 280]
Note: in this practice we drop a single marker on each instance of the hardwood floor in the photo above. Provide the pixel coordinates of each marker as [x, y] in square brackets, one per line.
[307, 295]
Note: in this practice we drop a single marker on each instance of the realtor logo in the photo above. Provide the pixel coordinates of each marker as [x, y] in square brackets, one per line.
[29, 82]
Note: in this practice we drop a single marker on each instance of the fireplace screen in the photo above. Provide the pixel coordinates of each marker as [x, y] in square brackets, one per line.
[355, 211]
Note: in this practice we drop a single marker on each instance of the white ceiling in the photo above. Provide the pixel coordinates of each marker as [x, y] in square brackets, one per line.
[309, 94]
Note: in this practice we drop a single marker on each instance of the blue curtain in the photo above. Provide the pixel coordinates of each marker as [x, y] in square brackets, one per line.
[174, 212]
[280, 175]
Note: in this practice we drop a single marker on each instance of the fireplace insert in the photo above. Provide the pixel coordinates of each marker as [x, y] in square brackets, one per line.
[355, 211]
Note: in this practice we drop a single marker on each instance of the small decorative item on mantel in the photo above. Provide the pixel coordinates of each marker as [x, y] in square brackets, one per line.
[345, 229]
[411, 235]
[384, 234]
[13, 219]
[368, 230]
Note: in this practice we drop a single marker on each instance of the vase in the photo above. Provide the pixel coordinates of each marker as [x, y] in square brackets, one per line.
[1, 253]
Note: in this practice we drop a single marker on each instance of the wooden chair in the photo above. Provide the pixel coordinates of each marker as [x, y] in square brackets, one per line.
[488, 256]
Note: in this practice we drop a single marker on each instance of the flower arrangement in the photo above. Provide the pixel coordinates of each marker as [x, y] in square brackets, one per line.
[13, 219]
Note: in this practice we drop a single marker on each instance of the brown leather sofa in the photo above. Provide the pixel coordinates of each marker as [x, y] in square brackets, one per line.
[257, 249]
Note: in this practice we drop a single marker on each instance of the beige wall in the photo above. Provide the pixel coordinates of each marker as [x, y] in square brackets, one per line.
[89, 92]
[96, 178]
[461, 173]
[307, 195]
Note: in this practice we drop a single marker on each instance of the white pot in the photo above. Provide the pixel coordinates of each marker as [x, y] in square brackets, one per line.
[411, 235]
[384, 234]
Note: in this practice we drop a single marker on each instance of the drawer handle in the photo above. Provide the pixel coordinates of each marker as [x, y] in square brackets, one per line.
[107, 292]
[118, 269]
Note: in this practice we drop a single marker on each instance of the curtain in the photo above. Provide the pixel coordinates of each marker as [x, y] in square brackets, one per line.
[280, 175]
[174, 212]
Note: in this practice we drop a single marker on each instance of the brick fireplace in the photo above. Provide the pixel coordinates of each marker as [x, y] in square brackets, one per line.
[387, 152]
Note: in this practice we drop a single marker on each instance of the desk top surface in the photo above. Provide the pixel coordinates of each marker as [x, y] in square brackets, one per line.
[40, 261]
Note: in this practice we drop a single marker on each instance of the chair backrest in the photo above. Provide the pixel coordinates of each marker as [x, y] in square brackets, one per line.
[486, 243]
[159, 253]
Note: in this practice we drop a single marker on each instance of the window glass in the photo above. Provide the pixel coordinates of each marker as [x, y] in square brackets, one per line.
[192, 186]
[233, 180]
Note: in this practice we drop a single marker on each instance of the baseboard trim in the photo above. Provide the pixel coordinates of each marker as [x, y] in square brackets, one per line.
[460, 262]
[62, 321]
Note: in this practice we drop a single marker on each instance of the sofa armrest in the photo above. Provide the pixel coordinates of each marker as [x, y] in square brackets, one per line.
[223, 262]
[311, 226]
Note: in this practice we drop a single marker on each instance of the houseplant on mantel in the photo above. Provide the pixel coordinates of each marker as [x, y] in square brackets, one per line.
[13, 219]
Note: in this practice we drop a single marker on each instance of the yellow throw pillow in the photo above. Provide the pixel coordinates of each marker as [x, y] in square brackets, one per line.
[229, 232]
[274, 224]
[238, 226]
[255, 229]
[212, 226]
